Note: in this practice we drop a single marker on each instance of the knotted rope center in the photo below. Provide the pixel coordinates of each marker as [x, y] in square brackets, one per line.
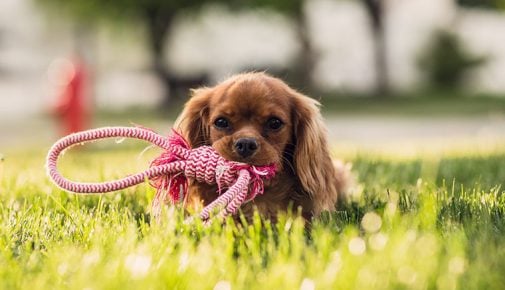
[169, 172]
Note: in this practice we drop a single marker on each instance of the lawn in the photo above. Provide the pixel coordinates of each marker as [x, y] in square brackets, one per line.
[438, 104]
[419, 223]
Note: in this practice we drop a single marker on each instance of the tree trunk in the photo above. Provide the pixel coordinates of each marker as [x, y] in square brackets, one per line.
[306, 62]
[159, 23]
[375, 9]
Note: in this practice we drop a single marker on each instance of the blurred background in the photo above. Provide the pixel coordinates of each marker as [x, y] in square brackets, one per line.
[394, 75]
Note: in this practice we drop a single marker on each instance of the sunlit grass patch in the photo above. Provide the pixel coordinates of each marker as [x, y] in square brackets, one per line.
[419, 223]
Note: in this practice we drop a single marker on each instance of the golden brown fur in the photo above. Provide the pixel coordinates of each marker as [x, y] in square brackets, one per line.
[252, 105]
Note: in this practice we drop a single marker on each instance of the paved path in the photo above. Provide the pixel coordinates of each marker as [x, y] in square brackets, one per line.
[349, 132]
[416, 133]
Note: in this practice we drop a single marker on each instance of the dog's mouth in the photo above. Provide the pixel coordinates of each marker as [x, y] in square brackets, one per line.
[251, 160]
[256, 159]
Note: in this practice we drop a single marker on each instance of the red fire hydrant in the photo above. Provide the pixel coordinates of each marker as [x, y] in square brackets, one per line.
[72, 107]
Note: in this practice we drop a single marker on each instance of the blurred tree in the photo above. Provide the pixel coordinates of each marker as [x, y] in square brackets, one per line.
[157, 15]
[493, 4]
[294, 9]
[376, 13]
[446, 62]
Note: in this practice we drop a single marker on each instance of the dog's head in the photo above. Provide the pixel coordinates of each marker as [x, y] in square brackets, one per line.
[258, 119]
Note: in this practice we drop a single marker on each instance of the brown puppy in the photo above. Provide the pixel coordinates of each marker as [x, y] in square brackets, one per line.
[258, 119]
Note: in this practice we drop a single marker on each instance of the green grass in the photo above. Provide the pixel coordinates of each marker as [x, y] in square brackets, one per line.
[420, 223]
[437, 103]
[421, 104]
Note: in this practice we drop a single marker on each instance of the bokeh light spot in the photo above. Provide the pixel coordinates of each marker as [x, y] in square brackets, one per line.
[357, 246]
[371, 222]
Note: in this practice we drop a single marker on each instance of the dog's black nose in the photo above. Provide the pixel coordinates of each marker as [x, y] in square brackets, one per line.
[246, 146]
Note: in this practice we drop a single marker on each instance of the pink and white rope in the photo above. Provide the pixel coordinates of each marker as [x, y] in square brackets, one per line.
[168, 172]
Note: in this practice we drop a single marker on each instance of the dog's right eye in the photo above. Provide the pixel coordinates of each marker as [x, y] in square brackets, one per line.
[222, 123]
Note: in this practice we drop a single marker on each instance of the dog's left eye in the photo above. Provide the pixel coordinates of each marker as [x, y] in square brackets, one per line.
[274, 123]
[222, 123]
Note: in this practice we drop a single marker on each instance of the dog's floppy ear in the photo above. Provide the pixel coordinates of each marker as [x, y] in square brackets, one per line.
[193, 121]
[312, 160]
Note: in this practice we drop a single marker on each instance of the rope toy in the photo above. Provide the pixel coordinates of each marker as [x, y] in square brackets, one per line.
[169, 172]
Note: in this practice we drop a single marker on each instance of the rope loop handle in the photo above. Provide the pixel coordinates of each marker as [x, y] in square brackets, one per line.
[101, 133]
[169, 172]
